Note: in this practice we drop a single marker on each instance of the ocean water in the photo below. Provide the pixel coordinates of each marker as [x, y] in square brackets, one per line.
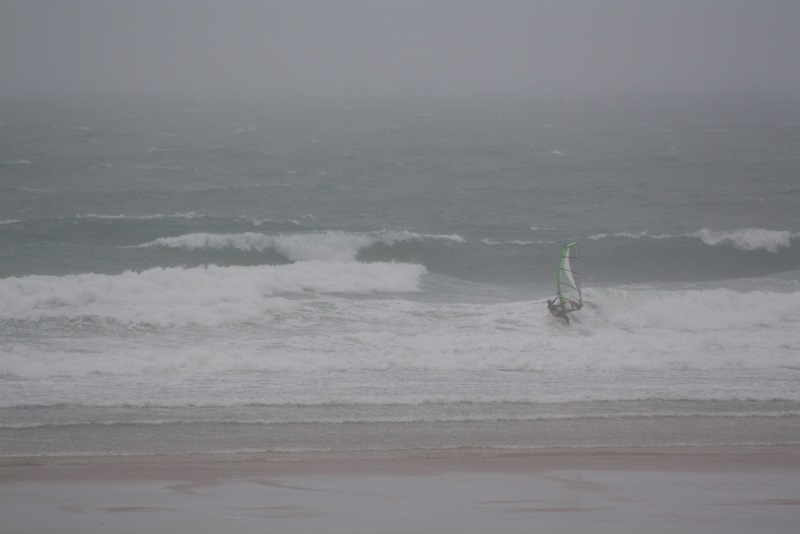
[192, 276]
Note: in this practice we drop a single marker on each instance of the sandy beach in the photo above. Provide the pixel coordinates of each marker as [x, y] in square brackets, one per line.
[727, 489]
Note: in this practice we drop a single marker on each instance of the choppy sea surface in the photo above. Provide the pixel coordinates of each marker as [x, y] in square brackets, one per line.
[189, 276]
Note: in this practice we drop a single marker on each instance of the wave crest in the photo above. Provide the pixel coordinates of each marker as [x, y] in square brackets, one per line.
[749, 238]
[320, 246]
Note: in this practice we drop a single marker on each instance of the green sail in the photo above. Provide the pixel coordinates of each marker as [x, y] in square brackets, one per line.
[569, 279]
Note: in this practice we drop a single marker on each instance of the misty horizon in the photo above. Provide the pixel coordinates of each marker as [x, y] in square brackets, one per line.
[355, 48]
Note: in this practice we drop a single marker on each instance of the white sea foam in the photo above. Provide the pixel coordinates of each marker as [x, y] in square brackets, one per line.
[700, 311]
[749, 238]
[322, 246]
[516, 242]
[184, 215]
[631, 235]
[744, 239]
[261, 222]
[200, 296]
[625, 332]
[389, 236]
[332, 246]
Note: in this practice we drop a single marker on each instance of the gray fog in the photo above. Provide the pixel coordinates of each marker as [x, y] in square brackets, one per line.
[359, 47]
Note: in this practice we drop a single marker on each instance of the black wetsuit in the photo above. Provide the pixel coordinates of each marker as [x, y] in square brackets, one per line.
[556, 310]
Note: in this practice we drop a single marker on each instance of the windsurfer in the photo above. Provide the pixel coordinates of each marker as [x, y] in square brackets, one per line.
[556, 310]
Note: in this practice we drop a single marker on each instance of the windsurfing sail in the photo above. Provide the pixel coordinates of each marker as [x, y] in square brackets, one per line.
[569, 279]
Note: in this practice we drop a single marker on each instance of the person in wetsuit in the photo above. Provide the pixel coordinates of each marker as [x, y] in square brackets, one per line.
[556, 310]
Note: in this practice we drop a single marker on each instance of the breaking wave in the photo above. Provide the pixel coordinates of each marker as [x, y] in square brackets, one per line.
[209, 295]
[322, 246]
[747, 239]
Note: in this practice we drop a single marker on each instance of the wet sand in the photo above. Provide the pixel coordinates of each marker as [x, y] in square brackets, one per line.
[724, 489]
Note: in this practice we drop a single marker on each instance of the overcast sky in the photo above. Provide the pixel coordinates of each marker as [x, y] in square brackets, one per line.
[352, 47]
